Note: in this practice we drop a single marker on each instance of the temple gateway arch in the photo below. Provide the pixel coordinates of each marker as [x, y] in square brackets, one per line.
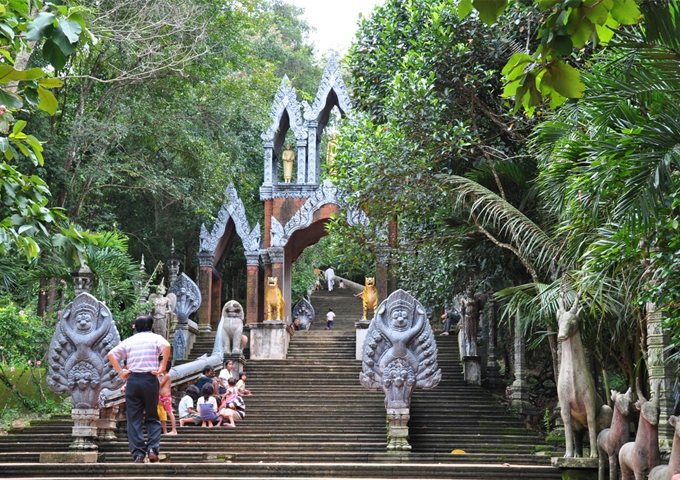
[296, 210]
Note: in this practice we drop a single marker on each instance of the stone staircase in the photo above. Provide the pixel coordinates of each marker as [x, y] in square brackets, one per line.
[308, 418]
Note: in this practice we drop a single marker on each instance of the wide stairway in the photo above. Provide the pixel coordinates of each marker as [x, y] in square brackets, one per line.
[309, 417]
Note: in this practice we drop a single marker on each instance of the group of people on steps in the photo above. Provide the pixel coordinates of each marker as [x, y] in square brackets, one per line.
[148, 394]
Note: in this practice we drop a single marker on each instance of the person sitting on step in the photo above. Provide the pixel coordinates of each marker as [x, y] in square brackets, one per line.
[241, 384]
[187, 413]
[233, 410]
[207, 406]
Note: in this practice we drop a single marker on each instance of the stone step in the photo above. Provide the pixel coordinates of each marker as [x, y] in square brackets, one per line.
[218, 470]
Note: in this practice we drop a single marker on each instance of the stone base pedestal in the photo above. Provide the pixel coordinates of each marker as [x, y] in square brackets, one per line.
[397, 431]
[361, 330]
[84, 430]
[68, 457]
[268, 341]
[576, 468]
[472, 369]
[520, 398]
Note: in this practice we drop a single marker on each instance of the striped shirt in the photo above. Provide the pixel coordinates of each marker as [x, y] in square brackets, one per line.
[141, 351]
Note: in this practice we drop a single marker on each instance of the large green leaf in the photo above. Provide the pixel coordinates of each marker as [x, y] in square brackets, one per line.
[464, 8]
[10, 100]
[9, 74]
[37, 27]
[490, 10]
[626, 12]
[565, 79]
[71, 29]
[48, 102]
[63, 42]
[53, 54]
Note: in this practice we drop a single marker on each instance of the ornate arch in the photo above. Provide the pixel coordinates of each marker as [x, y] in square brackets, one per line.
[331, 81]
[231, 209]
[326, 193]
[285, 101]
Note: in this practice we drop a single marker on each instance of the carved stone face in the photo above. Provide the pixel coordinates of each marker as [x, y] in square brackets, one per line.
[84, 322]
[399, 318]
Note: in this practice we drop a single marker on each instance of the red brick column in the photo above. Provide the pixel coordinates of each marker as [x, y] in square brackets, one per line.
[253, 301]
[216, 302]
[205, 277]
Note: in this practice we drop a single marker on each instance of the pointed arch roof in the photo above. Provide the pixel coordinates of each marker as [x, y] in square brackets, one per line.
[285, 101]
[331, 81]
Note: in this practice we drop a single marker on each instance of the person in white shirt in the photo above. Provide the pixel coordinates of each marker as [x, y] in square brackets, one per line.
[330, 316]
[187, 413]
[330, 278]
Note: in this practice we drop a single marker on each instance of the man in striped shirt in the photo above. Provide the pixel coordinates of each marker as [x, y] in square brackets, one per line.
[141, 352]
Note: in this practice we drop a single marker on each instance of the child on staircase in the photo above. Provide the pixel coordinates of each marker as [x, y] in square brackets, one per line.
[165, 397]
[207, 406]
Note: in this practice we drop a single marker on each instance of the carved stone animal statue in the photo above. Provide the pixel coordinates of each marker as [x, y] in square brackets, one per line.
[581, 407]
[233, 340]
[610, 440]
[639, 457]
[668, 472]
[273, 300]
[369, 297]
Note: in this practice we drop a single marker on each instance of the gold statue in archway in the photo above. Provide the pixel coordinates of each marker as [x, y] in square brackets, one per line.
[288, 158]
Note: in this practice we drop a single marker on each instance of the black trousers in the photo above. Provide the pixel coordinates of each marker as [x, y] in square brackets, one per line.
[141, 398]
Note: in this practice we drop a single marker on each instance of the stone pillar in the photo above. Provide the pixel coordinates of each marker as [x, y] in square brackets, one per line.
[106, 425]
[205, 262]
[216, 302]
[173, 265]
[493, 371]
[660, 371]
[382, 255]
[361, 329]
[269, 173]
[83, 279]
[520, 388]
[313, 163]
[84, 429]
[252, 302]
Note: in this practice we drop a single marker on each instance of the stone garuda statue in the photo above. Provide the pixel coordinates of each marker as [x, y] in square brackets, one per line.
[305, 312]
[77, 354]
[399, 354]
[78, 364]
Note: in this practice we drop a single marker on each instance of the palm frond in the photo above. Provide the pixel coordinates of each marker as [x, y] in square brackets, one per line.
[492, 212]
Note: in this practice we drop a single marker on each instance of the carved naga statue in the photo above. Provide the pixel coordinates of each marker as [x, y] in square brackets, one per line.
[639, 457]
[304, 311]
[610, 440]
[581, 407]
[189, 298]
[399, 354]
[231, 328]
[667, 472]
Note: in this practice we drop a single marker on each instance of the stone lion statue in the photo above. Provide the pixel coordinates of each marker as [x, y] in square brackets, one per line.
[369, 297]
[233, 340]
[273, 300]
